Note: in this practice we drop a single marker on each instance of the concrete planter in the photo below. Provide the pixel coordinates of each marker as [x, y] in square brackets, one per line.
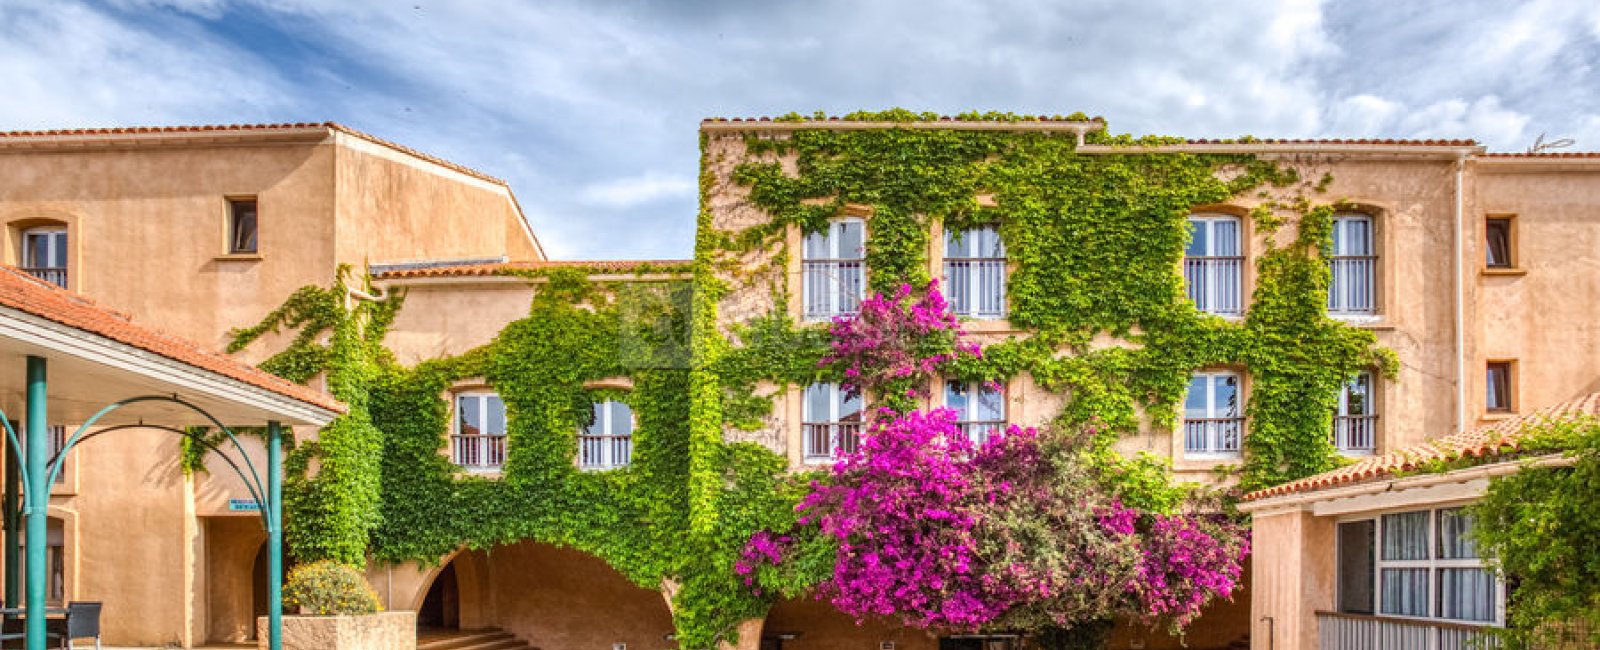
[381, 631]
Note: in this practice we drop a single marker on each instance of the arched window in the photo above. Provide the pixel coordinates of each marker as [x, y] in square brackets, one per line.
[44, 253]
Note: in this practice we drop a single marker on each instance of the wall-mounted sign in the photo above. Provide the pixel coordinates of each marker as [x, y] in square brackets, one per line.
[244, 505]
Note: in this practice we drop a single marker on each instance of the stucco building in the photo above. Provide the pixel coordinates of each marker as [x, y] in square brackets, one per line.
[1477, 269]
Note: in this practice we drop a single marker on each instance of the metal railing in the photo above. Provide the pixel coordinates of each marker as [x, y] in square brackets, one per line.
[1355, 434]
[1212, 435]
[831, 287]
[979, 431]
[1215, 284]
[1337, 631]
[478, 451]
[822, 440]
[54, 275]
[1351, 290]
[976, 286]
[604, 452]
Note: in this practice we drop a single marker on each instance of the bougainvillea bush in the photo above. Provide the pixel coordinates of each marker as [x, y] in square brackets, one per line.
[892, 346]
[1027, 531]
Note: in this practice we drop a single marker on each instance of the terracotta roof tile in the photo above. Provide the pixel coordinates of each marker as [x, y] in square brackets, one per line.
[1543, 154]
[1349, 141]
[246, 128]
[510, 268]
[1484, 441]
[25, 293]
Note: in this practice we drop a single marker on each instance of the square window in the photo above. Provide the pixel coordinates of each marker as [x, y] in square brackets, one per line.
[1498, 398]
[1497, 243]
[242, 226]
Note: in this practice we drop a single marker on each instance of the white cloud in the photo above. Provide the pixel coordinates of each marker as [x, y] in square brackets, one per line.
[637, 190]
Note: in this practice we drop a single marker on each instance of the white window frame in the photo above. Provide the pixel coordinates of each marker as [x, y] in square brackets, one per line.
[1355, 267]
[839, 432]
[1432, 564]
[1217, 297]
[487, 446]
[977, 430]
[1344, 419]
[1214, 417]
[600, 447]
[823, 291]
[55, 246]
[985, 300]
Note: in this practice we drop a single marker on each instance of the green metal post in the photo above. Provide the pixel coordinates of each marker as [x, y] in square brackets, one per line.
[38, 448]
[11, 504]
[274, 506]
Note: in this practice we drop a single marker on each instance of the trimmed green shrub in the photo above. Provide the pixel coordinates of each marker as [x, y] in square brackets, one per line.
[328, 588]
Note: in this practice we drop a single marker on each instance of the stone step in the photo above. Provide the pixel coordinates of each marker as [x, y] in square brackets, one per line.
[471, 640]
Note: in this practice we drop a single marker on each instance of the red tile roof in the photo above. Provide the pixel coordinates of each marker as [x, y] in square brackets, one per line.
[511, 268]
[1347, 141]
[1491, 440]
[25, 293]
[243, 129]
[1543, 154]
[942, 118]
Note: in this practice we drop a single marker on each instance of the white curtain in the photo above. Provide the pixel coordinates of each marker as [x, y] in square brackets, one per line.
[1466, 594]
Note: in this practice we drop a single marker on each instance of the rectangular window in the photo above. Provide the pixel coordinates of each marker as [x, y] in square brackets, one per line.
[1212, 426]
[479, 442]
[833, 270]
[1425, 567]
[980, 408]
[607, 441]
[1354, 419]
[242, 226]
[1497, 398]
[1354, 266]
[831, 422]
[1355, 566]
[44, 254]
[975, 272]
[1497, 243]
[1213, 264]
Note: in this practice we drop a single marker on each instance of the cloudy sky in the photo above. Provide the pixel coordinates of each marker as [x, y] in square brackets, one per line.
[589, 107]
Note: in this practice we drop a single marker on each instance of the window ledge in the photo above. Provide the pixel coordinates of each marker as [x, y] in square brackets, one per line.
[1505, 271]
[494, 473]
[1496, 416]
[238, 257]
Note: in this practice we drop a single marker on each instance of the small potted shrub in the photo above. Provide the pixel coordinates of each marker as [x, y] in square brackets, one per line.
[338, 610]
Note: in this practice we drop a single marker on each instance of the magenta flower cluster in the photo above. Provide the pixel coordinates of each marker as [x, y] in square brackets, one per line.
[897, 340]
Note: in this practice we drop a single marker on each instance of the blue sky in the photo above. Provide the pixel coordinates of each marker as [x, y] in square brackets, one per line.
[589, 108]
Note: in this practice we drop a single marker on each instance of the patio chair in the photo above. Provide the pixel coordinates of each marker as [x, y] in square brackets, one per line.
[83, 621]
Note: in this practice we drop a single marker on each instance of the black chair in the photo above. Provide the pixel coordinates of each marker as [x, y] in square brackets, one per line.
[83, 621]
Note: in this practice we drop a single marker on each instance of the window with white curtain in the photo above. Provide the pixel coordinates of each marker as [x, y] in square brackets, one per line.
[833, 270]
[831, 422]
[975, 272]
[1213, 264]
[607, 441]
[1355, 418]
[1212, 423]
[44, 254]
[980, 408]
[1425, 566]
[479, 440]
[1354, 266]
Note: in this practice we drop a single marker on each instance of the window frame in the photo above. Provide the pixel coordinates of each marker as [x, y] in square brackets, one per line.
[836, 403]
[831, 264]
[621, 444]
[1211, 452]
[232, 231]
[1510, 398]
[1511, 263]
[1211, 261]
[977, 262]
[967, 418]
[1433, 564]
[487, 445]
[58, 244]
[1342, 410]
[1339, 305]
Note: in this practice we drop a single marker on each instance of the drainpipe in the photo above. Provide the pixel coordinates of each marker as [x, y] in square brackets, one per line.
[1460, 286]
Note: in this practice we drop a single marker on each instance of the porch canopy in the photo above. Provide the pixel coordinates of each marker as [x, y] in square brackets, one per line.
[65, 359]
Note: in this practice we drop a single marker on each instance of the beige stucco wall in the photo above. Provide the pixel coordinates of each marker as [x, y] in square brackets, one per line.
[818, 626]
[440, 320]
[1292, 571]
[231, 547]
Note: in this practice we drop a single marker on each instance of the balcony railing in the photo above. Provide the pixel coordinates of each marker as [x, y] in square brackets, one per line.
[979, 431]
[1214, 283]
[54, 275]
[1336, 631]
[821, 440]
[478, 451]
[1214, 436]
[1355, 434]
[1351, 291]
[604, 452]
[976, 287]
[831, 287]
